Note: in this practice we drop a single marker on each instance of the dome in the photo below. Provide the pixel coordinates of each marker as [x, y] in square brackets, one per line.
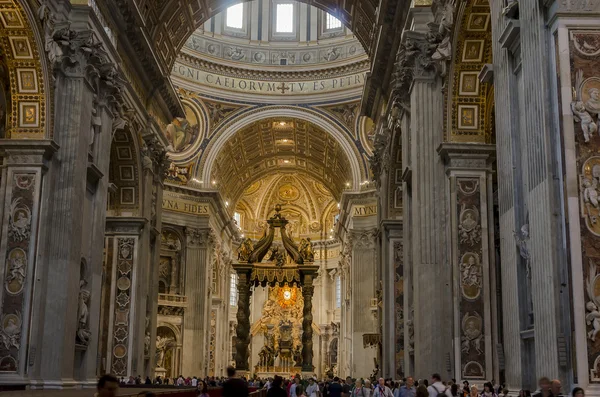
[275, 34]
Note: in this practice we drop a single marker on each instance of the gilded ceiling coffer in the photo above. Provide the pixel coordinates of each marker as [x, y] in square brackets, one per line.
[287, 264]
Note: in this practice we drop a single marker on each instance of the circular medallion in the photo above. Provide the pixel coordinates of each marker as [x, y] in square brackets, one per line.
[123, 283]
[17, 267]
[119, 351]
[287, 295]
[288, 192]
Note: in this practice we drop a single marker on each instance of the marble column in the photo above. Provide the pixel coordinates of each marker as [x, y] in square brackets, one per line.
[307, 320]
[243, 320]
[195, 320]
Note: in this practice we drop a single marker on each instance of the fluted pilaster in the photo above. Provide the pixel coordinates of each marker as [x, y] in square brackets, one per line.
[197, 257]
[432, 298]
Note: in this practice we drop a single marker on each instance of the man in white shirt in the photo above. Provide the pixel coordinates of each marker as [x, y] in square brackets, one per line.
[293, 388]
[312, 388]
[381, 390]
[438, 388]
[194, 381]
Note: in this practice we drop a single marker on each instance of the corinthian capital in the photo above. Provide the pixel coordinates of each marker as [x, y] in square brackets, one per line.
[363, 239]
[199, 238]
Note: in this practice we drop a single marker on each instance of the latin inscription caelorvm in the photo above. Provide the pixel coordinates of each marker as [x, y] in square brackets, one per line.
[268, 87]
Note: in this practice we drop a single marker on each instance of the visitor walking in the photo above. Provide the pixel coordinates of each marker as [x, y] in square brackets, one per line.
[381, 390]
[437, 387]
[276, 389]
[234, 387]
[408, 389]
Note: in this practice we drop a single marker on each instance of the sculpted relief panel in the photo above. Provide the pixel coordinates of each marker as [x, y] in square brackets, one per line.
[470, 267]
[16, 270]
[585, 80]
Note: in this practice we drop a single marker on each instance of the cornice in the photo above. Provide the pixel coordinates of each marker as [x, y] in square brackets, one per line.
[208, 66]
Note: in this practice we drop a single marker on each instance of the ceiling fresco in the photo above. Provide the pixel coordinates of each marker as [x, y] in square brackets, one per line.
[308, 205]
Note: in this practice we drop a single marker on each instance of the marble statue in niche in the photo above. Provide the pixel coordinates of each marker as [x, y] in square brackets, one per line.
[83, 314]
[469, 229]
[472, 327]
[163, 343]
[147, 338]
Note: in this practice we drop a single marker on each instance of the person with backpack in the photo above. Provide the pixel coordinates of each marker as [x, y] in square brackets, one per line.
[381, 390]
[437, 387]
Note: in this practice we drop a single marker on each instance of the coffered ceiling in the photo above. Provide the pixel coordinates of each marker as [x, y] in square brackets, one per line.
[282, 146]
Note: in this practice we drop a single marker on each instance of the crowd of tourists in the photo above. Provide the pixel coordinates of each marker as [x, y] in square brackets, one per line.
[234, 386]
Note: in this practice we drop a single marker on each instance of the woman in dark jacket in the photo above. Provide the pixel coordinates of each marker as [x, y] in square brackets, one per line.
[276, 389]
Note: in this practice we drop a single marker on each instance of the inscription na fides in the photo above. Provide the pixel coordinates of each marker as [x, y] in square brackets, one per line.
[269, 87]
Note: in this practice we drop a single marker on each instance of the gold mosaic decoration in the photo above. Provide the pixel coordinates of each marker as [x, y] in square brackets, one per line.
[469, 109]
[27, 116]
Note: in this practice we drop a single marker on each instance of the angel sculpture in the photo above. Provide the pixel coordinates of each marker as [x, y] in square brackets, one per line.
[592, 318]
[581, 115]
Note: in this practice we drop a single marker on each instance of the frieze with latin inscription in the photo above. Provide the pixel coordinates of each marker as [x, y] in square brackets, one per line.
[269, 87]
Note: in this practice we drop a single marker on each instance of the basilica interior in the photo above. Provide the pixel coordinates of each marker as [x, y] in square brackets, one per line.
[363, 188]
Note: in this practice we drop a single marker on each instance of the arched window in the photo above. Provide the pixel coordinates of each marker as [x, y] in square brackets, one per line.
[234, 16]
[233, 294]
[284, 22]
[332, 22]
[237, 217]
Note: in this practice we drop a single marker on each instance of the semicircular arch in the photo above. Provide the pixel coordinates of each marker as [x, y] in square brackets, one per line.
[205, 168]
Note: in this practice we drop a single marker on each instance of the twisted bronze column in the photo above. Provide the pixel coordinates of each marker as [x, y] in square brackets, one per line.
[243, 323]
[307, 320]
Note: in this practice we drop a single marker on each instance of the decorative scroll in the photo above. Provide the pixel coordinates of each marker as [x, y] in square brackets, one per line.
[290, 247]
[123, 290]
[471, 303]
[16, 268]
[262, 246]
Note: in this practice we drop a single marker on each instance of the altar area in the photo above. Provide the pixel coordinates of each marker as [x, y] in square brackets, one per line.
[274, 333]
[276, 336]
